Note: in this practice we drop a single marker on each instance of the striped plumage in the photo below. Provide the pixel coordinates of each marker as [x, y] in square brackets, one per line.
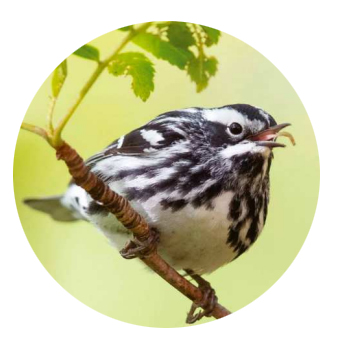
[194, 176]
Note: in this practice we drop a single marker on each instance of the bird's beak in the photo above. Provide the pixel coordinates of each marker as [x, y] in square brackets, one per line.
[267, 137]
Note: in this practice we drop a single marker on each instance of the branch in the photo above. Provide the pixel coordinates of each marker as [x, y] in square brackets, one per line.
[134, 222]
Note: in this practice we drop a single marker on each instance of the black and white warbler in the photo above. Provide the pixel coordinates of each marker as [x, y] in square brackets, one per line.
[200, 176]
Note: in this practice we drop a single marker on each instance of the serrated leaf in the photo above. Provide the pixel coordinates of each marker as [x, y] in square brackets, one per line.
[180, 35]
[126, 28]
[211, 66]
[212, 35]
[163, 50]
[88, 52]
[59, 77]
[200, 70]
[139, 67]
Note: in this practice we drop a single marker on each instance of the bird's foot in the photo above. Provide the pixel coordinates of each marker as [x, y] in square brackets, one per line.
[207, 303]
[135, 249]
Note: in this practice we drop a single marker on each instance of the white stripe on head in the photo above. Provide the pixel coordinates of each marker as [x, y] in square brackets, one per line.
[164, 118]
[226, 116]
[189, 110]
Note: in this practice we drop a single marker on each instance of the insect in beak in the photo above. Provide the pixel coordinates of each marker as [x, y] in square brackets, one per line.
[267, 137]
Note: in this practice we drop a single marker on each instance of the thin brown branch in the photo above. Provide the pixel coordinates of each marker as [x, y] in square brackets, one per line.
[133, 221]
[169, 274]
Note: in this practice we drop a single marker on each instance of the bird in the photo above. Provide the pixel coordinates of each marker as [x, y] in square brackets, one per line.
[200, 176]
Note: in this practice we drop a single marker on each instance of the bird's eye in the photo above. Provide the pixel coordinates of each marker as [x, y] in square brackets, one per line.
[235, 128]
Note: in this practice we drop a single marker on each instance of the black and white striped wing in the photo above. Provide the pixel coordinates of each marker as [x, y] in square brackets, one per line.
[144, 141]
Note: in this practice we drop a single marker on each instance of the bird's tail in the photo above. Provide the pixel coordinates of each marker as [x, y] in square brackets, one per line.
[54, 207]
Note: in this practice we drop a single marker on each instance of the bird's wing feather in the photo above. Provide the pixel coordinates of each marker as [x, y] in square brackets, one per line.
[144, 141]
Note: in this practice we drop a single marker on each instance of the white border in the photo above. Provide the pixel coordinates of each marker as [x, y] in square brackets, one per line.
[300, 318]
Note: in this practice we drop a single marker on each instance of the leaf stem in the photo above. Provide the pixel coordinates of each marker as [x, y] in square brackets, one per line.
[199, 41]
[57, 140]
[50, 114]
[200, 49]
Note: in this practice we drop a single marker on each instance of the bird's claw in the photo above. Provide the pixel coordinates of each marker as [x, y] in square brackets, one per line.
[138, 250]
[207, 304]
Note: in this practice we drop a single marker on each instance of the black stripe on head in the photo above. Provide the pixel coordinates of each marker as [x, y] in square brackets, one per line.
[217, 135]
[253, 113]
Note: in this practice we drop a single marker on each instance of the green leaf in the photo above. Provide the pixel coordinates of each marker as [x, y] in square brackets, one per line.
[126, 28]
[180, 35]
[212, 35]
[163, 50]
[88, 52]
[211, 66]
[139, 67]
[59, 77]
[200, 70]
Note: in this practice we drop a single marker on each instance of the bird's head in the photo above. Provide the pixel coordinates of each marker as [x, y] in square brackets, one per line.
[245, 125]
[242, 137]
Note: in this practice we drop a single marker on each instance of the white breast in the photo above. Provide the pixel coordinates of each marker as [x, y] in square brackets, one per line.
[193, 238]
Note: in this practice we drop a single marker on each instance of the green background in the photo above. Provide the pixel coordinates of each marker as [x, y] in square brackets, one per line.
[79, 258]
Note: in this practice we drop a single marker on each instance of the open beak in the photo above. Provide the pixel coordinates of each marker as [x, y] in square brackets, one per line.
[267, 137]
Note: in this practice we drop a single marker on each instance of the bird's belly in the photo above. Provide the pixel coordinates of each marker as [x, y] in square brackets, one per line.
[193, 238]
[190, 238]
[202, 251]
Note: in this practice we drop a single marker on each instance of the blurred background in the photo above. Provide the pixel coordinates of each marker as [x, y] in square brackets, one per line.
[79, 258]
